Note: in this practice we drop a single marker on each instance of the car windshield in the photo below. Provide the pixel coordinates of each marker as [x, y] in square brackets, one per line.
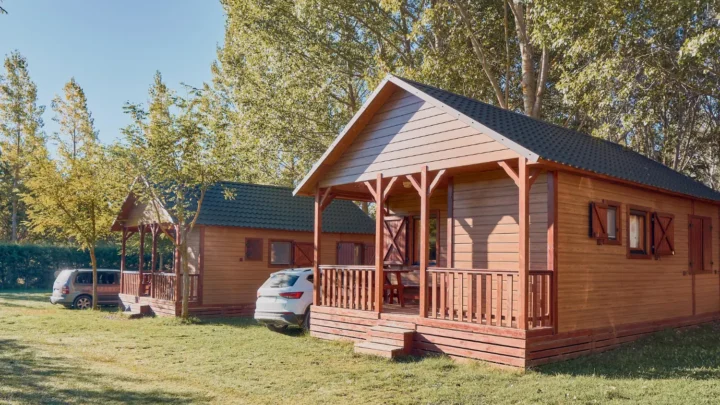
[281, 280]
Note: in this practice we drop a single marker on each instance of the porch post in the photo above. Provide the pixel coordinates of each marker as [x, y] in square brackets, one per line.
[424, 239]
[141, 258]
[379, 242]
[524, 242]
[153, 257]
[316, 243]
[122, 257]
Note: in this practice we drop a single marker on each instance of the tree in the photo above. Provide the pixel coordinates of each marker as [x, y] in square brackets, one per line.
[75, 196]
[179, 148]
[20, 126]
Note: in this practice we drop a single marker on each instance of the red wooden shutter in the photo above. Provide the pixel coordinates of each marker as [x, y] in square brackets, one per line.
[369, 253]
[346, 253]
[695, 244]
[663, 234]
[598, 221]
[395, 240]
[707, 244]
[253, 249]
[303, 254]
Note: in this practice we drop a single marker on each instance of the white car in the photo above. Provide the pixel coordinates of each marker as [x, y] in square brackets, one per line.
[285, 299]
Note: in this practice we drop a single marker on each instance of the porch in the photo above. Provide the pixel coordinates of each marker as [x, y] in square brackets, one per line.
[457, 306]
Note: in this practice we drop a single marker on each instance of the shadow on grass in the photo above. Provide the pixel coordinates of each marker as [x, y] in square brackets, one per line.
[692, 353]
[26, 295]
[30, 378]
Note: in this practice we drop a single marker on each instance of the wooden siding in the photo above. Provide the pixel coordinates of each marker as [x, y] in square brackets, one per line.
[408, 132]
[598, 286]
[230, 280]
[486, 222]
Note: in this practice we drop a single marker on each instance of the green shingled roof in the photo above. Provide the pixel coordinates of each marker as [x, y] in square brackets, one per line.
[571, 148]
[273, 207]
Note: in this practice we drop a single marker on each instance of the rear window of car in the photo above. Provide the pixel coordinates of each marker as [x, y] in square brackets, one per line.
[281, 280]
[63, 276]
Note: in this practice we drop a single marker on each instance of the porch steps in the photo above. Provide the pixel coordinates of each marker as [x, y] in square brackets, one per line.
[386, 341]
[138, 311]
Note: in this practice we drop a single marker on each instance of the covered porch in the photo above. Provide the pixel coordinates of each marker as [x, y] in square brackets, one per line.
[154, 283]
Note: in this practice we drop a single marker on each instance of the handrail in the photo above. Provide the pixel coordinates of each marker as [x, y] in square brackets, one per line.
[473, 271]
[345, 267]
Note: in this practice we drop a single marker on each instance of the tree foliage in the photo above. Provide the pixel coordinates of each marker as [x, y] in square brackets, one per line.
[75, 196]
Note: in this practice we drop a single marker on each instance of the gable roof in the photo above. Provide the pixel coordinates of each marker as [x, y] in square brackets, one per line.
[273, 207]
[536, 139]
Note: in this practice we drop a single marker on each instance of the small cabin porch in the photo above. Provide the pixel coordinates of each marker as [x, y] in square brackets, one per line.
[154, 284]
[448, 277]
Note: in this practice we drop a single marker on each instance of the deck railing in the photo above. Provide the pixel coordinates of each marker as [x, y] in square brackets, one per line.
[162, 285]
[351, 287]
[130, 283]
[488, 297]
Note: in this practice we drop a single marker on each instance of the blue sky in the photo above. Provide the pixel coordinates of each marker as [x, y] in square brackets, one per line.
[112, 48]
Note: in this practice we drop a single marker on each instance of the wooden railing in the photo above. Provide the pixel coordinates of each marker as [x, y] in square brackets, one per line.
[161, 285]
[130, 283]
[488, 297]
[540, 299]
[351, 287]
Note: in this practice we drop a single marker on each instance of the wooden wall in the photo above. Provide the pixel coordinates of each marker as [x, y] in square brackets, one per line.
[486, 222]
[229, 280]
[407, 132]
[600, 287]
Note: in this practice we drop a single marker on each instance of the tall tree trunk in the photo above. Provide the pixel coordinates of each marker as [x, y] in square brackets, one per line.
[185, 273]
[93, 262]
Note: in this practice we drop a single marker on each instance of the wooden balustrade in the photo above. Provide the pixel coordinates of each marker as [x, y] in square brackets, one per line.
[130, 283]
[351, 287]
[540, 299]
[488, 297]
[163, 285]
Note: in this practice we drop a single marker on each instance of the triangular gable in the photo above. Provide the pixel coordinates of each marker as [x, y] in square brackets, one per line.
[134, 213]
[401, 128]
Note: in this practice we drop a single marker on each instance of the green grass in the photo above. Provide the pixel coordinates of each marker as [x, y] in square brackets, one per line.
[54, 355]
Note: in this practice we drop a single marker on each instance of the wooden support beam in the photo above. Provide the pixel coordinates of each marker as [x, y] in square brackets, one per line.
[123, 253]
[371, 188]
[450, 224]
[414, 183]
[510, 172]
[201, 265]
[379, 243]
[178, 265]
[316, 245]
[141, 255]
[552, 240]
[533, 176]
[326, 198]
[424, 238]
[389, 187]
[436, 181]
[524, 242]
[153, 255]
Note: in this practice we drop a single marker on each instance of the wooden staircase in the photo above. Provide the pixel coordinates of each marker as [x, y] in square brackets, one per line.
[387, 339]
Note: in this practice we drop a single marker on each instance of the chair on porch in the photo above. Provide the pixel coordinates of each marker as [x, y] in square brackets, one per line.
[394, 289]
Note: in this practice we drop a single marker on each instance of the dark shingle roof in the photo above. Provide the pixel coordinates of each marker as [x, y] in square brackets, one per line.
[568, 147]
[272, 207]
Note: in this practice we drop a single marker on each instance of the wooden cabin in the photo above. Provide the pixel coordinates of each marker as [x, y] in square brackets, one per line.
[235, 245]
[524, 242]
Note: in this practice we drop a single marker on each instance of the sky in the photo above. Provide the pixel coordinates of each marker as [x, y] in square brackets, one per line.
[112, 48]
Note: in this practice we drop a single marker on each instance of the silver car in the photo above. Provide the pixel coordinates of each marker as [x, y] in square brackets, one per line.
[73, 288]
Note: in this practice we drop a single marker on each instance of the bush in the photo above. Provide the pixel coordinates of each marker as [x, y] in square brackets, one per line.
[34, 266]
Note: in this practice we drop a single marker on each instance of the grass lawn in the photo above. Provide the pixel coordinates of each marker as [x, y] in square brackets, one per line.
[53, 355]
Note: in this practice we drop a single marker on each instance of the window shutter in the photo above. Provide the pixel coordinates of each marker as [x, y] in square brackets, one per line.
[369, 253]
[253, 249]
[598, 221]
[695, 244]
[303, 254]
[395, 240]
[346, 253]
[707, 244]
[663, 234]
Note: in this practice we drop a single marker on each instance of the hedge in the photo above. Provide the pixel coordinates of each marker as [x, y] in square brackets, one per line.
[34, 266]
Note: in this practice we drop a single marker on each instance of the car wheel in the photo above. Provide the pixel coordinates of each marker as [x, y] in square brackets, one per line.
[83, 302]
[306, 320]
[277, 328]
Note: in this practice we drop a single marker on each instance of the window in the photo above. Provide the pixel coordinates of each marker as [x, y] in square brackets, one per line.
[107, 278]
[605, 222]
[638, 233]
[281, 280]
[280, 253]
[84, 277]
[253, 249]
[700, 244]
